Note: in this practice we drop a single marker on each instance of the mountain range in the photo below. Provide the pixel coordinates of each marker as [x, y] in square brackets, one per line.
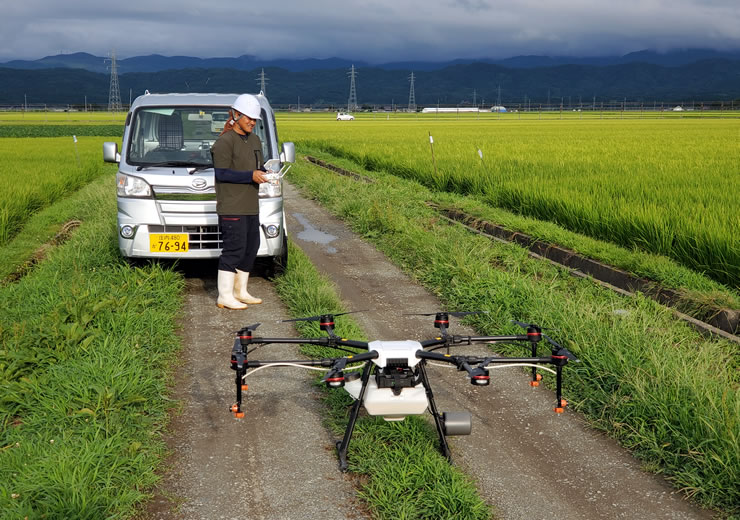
[680, 77]
[156, 62]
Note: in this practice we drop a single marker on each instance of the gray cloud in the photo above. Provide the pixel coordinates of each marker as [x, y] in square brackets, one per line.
[376, 31]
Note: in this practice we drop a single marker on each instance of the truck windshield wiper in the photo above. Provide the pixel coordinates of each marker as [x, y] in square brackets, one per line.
[198, 166]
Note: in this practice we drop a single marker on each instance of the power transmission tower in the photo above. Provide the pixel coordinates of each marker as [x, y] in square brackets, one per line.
[352, 103]
[114, 93]
[412, 95]
[498, 97]
[262, 79]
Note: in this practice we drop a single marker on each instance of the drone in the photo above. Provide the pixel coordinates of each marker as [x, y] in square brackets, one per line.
[390, 379]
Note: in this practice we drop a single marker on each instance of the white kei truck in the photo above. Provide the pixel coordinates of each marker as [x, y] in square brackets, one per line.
[165, 180]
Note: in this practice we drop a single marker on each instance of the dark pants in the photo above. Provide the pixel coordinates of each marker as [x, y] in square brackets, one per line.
[241, 241]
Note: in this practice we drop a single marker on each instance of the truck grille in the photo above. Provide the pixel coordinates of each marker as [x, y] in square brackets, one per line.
[199, 237]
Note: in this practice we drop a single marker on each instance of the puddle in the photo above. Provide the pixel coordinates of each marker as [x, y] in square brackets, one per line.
[311, 234]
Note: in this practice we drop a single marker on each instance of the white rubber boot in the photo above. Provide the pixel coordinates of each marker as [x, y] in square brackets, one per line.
[240, 288]
[226, 298]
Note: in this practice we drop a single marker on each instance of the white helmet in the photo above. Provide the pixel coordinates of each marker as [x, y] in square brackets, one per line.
[248, 105]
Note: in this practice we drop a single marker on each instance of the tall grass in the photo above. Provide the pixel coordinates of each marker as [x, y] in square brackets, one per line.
[86, 345]
[666, 187]
[669, 394]
[37, 172]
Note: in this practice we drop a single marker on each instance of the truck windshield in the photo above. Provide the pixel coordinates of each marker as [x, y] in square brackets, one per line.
[180, 135]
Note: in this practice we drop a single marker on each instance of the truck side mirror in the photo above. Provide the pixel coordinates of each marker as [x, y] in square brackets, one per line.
[110, 152]
[288, 153]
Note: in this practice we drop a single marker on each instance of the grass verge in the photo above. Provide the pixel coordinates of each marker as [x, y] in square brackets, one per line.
[403, 474]
[661, 389]
[86, 204]
[697, 287]
[86, 345]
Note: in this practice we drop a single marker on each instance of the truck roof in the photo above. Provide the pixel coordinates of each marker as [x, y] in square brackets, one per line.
[171, 99]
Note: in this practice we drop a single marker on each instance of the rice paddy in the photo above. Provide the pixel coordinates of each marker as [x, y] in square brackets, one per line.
[667, 187]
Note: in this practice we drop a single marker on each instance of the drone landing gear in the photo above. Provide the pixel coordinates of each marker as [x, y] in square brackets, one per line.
[439, 419]
[343, 445]
[444, 448]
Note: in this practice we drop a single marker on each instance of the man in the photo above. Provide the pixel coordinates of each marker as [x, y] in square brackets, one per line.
[237, 159]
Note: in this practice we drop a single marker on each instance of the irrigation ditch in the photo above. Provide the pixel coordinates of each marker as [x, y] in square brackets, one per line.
[711, 320]
[41, 253]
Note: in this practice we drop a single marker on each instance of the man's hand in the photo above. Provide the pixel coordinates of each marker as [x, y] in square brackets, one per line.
[259, 176]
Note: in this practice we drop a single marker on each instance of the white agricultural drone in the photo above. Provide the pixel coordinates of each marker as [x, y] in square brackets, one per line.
[390, 379]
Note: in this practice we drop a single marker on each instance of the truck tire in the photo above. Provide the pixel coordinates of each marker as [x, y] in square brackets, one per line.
[279, 263]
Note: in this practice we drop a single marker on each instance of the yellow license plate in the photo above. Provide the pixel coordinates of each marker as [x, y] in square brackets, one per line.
[168, 243]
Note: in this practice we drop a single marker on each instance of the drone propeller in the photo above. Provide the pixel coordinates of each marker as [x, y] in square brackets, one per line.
[322, 316]
[562, 351]
[253, 326]
[527, 325]
[449, 313]
[334, 378]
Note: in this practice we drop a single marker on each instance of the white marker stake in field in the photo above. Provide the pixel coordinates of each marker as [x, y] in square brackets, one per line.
[74, 138]
[431, 145]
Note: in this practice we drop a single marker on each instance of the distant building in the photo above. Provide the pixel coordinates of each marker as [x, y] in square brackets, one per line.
[449, 110]
[498, 108]
[678, 108]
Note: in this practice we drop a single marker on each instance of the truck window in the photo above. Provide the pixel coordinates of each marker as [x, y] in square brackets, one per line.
[180, 134]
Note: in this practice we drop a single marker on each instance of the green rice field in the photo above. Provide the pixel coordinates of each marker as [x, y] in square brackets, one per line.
[665, 186]
[36, 172]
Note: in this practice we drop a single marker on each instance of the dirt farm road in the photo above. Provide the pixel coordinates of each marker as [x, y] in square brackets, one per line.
[279, 462]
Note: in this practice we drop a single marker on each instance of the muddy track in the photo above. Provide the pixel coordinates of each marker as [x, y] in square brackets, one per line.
[278, 462]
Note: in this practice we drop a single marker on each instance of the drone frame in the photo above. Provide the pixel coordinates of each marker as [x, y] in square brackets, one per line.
[475, 366]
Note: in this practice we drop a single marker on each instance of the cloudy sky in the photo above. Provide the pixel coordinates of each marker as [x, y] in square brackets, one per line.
[370, 30]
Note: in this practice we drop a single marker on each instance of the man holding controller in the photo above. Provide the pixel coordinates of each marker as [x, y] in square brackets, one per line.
[237, 162]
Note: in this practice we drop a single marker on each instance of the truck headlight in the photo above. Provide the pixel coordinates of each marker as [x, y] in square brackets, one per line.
[130, 186]
[271, 230]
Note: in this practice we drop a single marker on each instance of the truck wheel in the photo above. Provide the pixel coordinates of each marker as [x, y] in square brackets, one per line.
[279, 263]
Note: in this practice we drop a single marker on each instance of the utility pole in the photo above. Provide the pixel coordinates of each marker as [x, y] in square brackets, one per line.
[352, 103]
[114, 92]
[412, 95]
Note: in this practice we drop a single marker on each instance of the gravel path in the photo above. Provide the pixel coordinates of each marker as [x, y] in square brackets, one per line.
[276, 463]
[528, 462]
